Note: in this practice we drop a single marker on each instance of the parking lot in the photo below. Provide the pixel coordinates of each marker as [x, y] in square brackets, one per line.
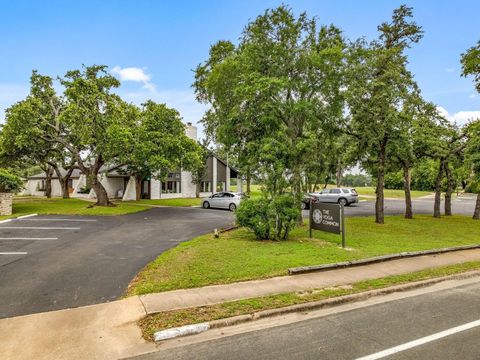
[33, 235]
[56, 262]
[460, 206]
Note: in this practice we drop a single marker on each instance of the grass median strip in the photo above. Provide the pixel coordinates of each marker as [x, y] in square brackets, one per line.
[237, 256]
[56, 206]
[170, 319]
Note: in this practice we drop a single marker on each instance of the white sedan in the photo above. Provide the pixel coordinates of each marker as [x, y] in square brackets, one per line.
[222, 200]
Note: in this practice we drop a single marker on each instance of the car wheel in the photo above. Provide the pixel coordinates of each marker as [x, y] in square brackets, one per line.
[343, 202]
[232, 207]
[206, 205]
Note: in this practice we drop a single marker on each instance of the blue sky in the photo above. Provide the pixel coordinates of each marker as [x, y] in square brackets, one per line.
[152, 46]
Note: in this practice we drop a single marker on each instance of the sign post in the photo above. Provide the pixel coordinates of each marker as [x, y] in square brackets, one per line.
[327, 217]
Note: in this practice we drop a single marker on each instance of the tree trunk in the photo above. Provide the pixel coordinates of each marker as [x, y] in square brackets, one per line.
[138, 187]
[63, 180]
[438, 190]
[339, 176]
[448, 193]
[407, 179]
[48, 182]
[380, 200]
[65, 192]
[476, 213]
[100, 192]
[197, 190]
[248, 183]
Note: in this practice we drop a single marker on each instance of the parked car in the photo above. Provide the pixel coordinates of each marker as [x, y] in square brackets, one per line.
[342, 196]
[223, 200]
[307, 198]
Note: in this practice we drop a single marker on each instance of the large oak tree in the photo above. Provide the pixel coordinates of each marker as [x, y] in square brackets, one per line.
[379, 86]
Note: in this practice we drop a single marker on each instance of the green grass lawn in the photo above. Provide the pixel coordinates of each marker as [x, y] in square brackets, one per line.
[389, 193]
[25, 206]
[255, 190]
[168, 202]
[237, 256]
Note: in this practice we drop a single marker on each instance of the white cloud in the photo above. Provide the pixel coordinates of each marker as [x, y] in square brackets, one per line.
[183, 100]
[450, 70]
[461, 117]
[471, 96]
[134, 74]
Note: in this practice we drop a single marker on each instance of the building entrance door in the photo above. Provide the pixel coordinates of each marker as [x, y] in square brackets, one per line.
[146, 187]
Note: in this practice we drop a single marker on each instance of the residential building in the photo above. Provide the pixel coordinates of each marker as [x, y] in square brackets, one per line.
[177, 184]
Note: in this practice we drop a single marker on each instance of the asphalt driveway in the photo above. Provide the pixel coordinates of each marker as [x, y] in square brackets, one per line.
[56, 262]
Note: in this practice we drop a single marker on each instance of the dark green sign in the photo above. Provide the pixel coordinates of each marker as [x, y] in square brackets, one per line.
[327, 217]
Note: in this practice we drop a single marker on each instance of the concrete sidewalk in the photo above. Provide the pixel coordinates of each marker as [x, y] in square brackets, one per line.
[109, 330]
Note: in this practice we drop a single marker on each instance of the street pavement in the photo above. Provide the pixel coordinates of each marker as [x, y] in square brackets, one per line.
[57, 262]
[425, 326]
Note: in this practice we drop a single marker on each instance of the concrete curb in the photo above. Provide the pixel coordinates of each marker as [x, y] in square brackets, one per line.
[228, 228]
[18, 217]
[377, 259]
[335, 301]
[26, 216]
[180, 331]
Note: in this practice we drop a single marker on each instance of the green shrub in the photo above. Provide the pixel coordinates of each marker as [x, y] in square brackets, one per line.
[9, 183]
[356, 180]
[394, 180]
[269, 219]
[84, 190]
[473, 187]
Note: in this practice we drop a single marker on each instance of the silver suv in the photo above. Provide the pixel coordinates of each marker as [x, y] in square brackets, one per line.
[342, 196]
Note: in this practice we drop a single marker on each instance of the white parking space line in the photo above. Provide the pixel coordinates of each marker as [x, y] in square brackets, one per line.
[28, 238]
[421, 341]
[72, 220]
[13, 253]
[39, 228]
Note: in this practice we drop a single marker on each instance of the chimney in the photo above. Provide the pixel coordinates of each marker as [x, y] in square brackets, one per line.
[191, 131]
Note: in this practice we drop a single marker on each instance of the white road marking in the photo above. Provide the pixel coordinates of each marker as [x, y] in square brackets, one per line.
[421, 341]
[13, 253]
[5, 221]
[39, 228]
[73, 220]
[26, 216]
[26, 238]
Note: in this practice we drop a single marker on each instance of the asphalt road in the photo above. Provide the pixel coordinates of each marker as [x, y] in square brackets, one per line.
[56, 262]
[462, 206]
[358, 333]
